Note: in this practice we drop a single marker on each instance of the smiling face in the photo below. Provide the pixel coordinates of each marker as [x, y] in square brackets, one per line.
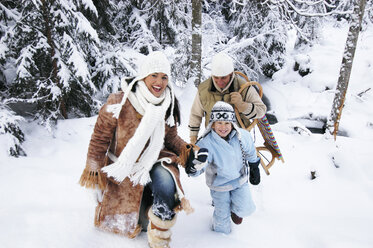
[222, 128]
[156, 83]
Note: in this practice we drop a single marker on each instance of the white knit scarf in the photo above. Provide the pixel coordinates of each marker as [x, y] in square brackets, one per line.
[151, 127]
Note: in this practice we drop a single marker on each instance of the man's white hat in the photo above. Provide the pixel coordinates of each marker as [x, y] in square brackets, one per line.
[221, 65]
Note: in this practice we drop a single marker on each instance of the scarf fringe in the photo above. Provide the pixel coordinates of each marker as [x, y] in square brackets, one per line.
[92, 179]
[117, 171]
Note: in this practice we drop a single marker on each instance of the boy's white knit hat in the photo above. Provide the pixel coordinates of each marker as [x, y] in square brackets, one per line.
[154, 62]
[221, 65]
[222, 111]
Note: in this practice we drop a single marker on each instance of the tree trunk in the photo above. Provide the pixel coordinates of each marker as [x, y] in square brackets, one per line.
[55, 78]
[345, 71]
[196, 41]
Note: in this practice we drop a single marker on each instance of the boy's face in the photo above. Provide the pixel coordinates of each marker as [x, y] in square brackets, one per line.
[222, 128]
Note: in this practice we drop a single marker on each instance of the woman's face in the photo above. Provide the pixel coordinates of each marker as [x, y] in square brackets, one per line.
[156, 83]
[222, 128]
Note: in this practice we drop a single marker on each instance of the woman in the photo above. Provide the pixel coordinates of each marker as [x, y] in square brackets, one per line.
[133, 156]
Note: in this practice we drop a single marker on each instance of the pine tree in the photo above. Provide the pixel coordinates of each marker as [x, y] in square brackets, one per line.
[10, 130]
[53, 46]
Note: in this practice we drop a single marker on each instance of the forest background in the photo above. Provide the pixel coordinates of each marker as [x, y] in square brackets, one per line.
[61, 59]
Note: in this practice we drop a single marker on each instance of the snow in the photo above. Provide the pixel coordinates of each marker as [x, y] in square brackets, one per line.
[44, 206]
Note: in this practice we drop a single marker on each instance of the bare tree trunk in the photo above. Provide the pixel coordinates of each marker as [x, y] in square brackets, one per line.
[345, 71]
[196, 41]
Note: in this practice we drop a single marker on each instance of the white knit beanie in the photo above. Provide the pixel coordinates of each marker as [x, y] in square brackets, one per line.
[221, 65]
[154, 62]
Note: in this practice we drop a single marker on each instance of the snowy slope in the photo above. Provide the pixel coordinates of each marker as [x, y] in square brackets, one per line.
[44, 206]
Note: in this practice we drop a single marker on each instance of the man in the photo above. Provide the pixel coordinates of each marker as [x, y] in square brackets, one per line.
[223, 85]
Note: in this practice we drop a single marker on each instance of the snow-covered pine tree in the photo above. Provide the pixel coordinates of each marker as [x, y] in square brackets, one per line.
[247, 30]
[260, 38]
[10, 130]
[147, 26]
[53, 46]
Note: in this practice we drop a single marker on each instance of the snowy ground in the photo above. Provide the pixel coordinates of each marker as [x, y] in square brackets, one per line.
[44, 206]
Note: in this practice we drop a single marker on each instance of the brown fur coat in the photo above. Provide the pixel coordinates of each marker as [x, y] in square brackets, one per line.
[119, 209]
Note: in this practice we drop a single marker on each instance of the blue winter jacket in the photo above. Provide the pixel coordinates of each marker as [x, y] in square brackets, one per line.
[225, 169]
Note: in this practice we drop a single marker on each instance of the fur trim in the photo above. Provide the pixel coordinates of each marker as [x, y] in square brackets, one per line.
[158, 222]
[158, 238]
[92, 179]
[185, 205]
[185, 153]
[135, 232]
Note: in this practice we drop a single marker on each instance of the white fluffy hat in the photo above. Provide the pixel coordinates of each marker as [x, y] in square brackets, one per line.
[154, 62]
[221, 65]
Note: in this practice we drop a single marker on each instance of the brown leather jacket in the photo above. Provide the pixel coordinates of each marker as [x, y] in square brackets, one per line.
[119, 209]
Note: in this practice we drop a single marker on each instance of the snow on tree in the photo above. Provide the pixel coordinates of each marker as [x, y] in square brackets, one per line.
[146, 26]
[248, 31]
[196, 41]
[11, 132]
[53, 46]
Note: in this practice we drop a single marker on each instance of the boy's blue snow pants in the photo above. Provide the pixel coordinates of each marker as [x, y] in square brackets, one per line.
[238, 201]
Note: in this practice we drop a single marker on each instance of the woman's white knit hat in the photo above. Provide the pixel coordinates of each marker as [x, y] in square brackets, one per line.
[221, 65]
[154, 62]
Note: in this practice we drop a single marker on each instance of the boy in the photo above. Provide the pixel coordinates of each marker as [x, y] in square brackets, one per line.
[230, 151]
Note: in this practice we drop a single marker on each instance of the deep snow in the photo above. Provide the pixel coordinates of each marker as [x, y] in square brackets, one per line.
[44, 206]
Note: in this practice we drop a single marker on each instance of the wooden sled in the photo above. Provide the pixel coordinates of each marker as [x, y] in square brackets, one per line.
[270, 143]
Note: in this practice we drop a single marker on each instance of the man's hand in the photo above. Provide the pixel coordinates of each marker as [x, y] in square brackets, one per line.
[236, 99]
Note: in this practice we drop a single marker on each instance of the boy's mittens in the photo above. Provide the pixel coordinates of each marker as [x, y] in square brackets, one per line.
[200, 158]
[196, 161]
[254, 177]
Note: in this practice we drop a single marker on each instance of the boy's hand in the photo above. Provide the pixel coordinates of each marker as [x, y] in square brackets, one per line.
[196, 161]
[201, 158]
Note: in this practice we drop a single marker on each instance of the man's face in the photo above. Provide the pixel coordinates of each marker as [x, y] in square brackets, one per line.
[222, 82]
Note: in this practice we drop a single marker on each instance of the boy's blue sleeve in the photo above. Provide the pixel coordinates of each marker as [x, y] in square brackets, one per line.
[249, 146]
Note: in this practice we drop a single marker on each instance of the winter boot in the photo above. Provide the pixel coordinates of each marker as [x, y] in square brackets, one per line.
[236, 219]
[159, 235]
